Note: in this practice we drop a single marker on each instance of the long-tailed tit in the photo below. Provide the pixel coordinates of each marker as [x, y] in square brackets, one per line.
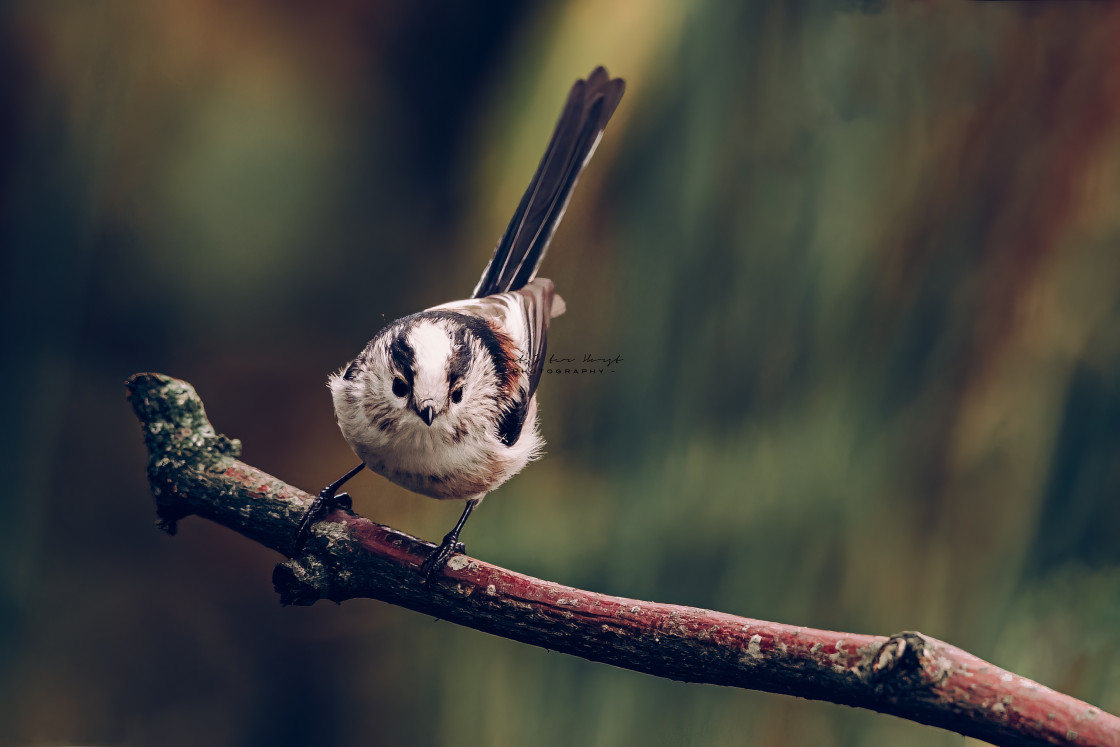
[443, 402]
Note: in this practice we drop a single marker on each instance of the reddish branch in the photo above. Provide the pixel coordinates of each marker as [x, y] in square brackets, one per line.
[193, 470]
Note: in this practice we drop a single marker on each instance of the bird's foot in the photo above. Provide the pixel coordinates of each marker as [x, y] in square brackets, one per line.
[440, 555]
[326, 502]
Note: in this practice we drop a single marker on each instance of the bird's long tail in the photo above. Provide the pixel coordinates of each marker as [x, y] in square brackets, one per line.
[519, 253]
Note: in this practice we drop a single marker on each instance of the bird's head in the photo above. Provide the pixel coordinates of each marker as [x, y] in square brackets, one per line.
[426, 370]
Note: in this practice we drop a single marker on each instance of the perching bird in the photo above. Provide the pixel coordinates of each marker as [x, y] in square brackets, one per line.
[443, 402]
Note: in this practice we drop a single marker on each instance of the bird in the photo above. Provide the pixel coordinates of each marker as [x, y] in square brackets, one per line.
[443, 402]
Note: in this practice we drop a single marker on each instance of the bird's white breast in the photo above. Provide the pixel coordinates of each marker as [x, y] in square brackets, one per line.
[443, 460]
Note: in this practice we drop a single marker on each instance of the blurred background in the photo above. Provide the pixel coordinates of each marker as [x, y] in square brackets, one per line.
[859, 259]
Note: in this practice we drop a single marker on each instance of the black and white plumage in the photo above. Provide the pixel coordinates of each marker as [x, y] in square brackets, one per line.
[443, 402]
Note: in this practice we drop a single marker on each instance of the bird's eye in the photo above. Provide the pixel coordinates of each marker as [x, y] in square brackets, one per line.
[400, 387]
[457, 395]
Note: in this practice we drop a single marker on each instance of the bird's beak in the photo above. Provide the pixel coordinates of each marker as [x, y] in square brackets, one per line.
[427, 413]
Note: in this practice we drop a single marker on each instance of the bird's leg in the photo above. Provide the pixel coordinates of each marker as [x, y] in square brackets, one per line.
[323, 505]
[450, 544]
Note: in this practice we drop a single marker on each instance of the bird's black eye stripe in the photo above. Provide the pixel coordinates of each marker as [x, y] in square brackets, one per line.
[460, 363]
[400, 386]
[403, 357]
[460, 356]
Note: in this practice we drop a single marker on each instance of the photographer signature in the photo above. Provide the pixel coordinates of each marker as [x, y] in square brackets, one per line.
[588, 364]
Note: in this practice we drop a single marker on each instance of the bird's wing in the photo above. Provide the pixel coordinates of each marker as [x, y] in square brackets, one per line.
[589, 107]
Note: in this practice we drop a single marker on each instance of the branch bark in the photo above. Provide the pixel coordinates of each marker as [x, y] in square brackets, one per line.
[194, 470]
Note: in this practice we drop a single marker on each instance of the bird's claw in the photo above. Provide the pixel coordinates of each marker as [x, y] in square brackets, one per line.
[440, 555]
[326, 502]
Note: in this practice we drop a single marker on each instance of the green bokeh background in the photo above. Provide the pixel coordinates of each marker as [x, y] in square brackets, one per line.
[861, 261]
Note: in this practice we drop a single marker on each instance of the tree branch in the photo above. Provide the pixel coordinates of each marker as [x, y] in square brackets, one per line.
[194, 470]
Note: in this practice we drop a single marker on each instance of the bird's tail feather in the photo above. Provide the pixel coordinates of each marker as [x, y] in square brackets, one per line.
[522, 247]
